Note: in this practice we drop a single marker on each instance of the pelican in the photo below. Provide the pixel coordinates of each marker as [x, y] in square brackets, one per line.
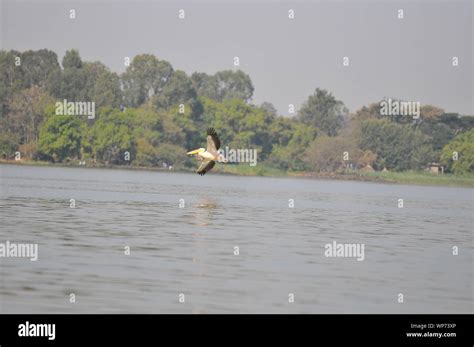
[208, 156]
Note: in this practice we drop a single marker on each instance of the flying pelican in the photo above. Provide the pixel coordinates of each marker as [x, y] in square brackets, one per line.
[208, 156]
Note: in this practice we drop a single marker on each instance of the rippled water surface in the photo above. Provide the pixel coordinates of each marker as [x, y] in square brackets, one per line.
[190, 250]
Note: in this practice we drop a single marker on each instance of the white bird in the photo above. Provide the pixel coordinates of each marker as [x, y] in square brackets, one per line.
[210, 155]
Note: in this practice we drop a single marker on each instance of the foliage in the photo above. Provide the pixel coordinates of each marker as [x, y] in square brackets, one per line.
[61, 137]
[145, 77]
[112, 137]
[323, 111]
[224, 85]
[9, 143]
[463, 145]
[27, 110]
[336, 153]
[155, 114]
[397, 146]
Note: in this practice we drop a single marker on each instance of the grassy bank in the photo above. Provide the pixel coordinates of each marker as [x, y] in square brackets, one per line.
[423, 178]
[247, 170]
[405, 177]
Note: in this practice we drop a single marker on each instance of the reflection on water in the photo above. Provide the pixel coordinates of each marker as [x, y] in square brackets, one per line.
[190, 250]
[203, 211]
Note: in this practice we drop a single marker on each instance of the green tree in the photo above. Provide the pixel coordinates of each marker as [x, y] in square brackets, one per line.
[61, 137]
[72, 83]
[170, 154]
[179, 90]
[462, 148]
[224, 85]
[234, 85]
[457, 123]
[394, 144]
[11, 77]
[289, 152]
[101, 86]
[72, 60]
[9, 143]
[35, 68]
[371, 111]
[111, 137]
[239, 124]
[205, 85]
[323, 111]
[27, 110]
[440, 134]
[38, 67]
[146, 76]
[269, 108]
[146, 153]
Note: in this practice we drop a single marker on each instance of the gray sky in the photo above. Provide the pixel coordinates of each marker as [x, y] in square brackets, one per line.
[286, 59]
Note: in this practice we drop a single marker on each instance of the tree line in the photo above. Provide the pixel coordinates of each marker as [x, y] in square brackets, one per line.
[151, 114]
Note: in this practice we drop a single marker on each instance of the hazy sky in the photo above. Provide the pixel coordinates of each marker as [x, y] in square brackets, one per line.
[286, 59]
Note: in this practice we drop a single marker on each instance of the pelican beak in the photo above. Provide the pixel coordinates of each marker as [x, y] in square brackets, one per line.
[196, 151]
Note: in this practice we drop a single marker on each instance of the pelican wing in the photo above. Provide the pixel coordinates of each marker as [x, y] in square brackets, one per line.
[205, 166]
[213, 142]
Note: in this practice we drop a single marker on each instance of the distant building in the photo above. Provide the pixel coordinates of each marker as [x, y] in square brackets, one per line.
[435, 168]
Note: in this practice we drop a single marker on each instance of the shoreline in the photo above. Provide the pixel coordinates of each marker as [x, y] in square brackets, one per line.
[405, 177]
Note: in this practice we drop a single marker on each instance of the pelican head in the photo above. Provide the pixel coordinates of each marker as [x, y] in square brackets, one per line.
[196, 151]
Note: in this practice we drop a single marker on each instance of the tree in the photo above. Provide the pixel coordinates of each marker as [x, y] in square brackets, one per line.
[371, 111]
[337, 153]
[146, 76]
[27, 110]
[146, 153]
[326, 153]
[240, 125]
[431, 113]
[72, 60]
[290, 154]
[205, 85]
[9, 143]
[35, 68]
[179, 90]
[234, 85]
[458, 155]
[394, 144]
[11, 77]
[84, 81]
[421, 156]
[457, 123]
[38, 67]
[111, 137]
[61, 137]
[101, 85]
[170, 154]
[269, 108]
[72, 82]
[439, 133]
[323, 111]
[281, 130]
[224, 85]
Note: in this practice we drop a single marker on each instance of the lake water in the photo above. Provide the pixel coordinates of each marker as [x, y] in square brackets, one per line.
[190, 250]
